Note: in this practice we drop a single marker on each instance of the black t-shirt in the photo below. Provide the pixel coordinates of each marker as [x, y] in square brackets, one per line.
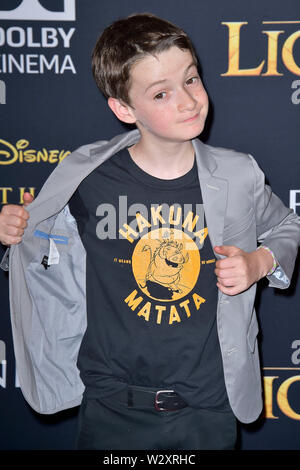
[151, 287]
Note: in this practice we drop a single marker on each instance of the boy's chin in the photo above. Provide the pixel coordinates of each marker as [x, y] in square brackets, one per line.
[193, 133]
[179, 136]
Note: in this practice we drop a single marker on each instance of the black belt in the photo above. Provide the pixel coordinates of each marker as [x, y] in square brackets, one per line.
[161, 400]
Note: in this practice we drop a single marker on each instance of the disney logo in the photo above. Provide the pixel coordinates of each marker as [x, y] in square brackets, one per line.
[21, 153]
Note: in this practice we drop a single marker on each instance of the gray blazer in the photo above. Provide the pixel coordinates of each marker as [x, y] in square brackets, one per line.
[48, 306]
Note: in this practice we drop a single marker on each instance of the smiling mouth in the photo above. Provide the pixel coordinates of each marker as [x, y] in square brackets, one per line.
[170, 263]
[191, 118]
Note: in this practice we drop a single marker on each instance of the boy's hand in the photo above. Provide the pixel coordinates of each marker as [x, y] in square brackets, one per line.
[27, 198]
[13, 221]
[239, 270]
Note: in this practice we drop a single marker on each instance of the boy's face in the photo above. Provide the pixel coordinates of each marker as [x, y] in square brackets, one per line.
[168, 100]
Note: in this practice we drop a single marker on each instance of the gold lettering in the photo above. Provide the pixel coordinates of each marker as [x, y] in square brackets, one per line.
[202, 234]
[156, 216]
[272, 53]
[42, 155]
[160, 309]
[129, 231]
[173, 315]
[21, 144]
[10, 157]
[53, 156]
[145, 311]
[282, 398]
[120, 260]
[22, 191]
[142, 222]
[234, 52]
[13, 154]
[4, 194]
[287, 53]
[190, 221]
[178, 216]
[268, 392]
[63, 155]
[186, 308]
[133, 302]
[198, 300]
[29, 156]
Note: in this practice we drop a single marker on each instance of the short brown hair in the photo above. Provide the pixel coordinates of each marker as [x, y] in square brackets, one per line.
[125, 42]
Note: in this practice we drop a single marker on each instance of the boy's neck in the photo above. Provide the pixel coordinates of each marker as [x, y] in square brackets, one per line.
[168, 161]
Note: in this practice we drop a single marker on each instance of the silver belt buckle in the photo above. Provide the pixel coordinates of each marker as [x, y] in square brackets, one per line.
[157, 402]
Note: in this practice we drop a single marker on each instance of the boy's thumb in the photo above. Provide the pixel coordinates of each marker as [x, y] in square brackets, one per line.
[226, 250]
[27, 199]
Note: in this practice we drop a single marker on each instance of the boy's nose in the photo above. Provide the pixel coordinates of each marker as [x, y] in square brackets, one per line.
[186, 101]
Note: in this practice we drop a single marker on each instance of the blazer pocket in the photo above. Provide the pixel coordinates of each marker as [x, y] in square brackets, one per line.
[239, 226]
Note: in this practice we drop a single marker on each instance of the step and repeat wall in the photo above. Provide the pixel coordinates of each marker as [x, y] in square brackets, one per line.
[249, 56]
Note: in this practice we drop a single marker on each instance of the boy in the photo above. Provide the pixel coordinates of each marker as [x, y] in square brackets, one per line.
[169, 357]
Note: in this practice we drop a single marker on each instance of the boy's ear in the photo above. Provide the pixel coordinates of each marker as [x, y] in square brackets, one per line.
[123, 111]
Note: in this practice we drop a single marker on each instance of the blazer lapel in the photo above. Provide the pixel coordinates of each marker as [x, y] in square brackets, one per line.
[214, 193]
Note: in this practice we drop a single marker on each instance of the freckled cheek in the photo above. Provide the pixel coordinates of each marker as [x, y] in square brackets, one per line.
[204, 99]
[159, 120]
[201, 97]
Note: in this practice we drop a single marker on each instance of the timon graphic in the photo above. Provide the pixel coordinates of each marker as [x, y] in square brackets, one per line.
[164, 269]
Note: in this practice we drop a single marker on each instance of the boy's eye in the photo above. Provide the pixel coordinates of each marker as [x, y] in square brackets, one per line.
[192, 80]
[160, 95]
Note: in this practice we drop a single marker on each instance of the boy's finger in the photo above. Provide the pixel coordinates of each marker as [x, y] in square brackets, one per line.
[228, 290]
[227, 250]
[16, 222]
[226, 263]
[27, 199]
[226, 273]
[14, 210]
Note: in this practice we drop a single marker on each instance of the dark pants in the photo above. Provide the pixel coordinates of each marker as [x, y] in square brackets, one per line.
[109, 425]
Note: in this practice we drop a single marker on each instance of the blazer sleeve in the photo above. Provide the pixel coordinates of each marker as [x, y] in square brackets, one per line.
[277, 227]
